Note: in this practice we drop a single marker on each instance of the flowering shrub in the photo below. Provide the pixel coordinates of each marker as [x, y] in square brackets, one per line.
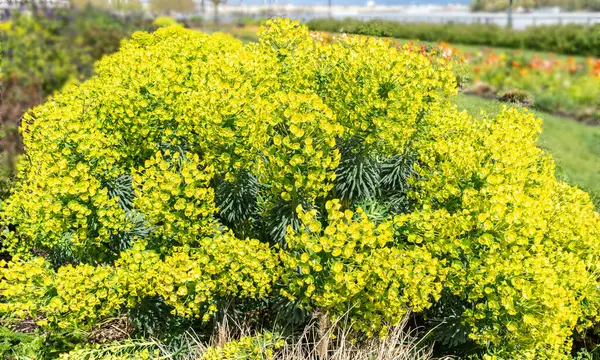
[130, 350]
[164, 21]
[259, 347]
[333, 176]
[350, 259]
[41, 53]
[189, 280]
[479, 217]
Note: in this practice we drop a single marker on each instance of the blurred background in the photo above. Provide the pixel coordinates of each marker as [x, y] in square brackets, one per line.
[524, 12]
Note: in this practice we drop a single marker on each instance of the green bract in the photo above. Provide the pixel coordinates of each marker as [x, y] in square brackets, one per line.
[194, 169]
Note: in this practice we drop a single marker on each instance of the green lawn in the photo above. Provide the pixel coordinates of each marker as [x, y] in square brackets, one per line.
[575, 147]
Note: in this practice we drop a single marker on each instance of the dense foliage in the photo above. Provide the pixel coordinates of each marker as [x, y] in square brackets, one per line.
[43, 52]
[288, 176]
[566, 39]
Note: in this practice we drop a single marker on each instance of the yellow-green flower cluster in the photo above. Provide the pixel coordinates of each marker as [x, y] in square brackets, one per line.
[190, 280]
[519, 245]
[25, 284]
[348, 267]
[125, 350]
[174, 194]
[301, 160]
[259, 347]
[70, 202]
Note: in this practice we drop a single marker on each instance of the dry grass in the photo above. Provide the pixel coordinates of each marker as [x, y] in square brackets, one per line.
[334, 343]
[321, 340]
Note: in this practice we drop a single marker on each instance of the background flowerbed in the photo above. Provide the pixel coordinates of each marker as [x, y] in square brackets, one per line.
[572, 39]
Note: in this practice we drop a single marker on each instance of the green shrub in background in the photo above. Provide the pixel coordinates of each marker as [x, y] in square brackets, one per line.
[42, 52]
[502, 5]
[293, 176]
[565, 39]
[195, 21]
[164, 21]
